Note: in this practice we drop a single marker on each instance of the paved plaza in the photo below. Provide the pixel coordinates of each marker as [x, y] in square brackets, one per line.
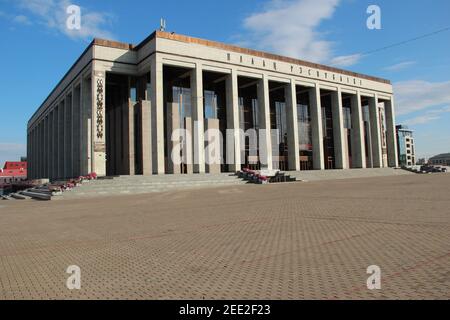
[304, 240]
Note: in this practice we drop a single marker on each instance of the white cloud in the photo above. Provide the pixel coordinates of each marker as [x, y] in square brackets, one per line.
[289, 27]
[22, 20]
[400, 66]
[416, 95]
[429, 116]
[53, 15]
[345, 61]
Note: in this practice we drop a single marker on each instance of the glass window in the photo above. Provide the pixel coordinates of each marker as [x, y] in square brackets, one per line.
[304, 127]
[347, 118]
[241, 113]
[133, 94]
[255, 112]
[280, 109]
[210, 105]
[182, 96]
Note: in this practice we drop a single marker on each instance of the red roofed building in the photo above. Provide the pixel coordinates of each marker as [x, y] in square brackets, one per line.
[13, 171]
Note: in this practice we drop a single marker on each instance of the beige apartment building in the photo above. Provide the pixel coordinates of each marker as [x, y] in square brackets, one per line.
[115, 111]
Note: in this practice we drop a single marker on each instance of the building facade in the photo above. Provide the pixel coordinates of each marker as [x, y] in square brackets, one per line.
[405, 146]
[116, 110]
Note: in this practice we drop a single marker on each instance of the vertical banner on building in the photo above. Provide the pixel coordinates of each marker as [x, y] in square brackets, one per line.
[98, 123]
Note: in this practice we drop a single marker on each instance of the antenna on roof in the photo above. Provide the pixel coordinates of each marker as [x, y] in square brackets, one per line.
[162, 25]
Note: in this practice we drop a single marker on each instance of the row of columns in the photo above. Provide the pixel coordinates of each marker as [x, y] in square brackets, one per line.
[358, 146]
[58, 144]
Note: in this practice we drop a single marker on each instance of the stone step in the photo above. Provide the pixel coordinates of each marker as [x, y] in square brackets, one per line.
[157, 182]
[151, 184]
[148, 187]
[315, 175]
[124, 191]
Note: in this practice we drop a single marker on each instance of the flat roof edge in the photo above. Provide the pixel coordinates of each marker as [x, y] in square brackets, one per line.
[224, 46]
[262, 54]
[62, 79]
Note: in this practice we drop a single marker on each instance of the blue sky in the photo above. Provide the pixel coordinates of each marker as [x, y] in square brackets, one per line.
[37, 49]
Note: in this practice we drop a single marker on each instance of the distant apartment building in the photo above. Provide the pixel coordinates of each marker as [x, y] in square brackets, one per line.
[405, 146]
[441, 159]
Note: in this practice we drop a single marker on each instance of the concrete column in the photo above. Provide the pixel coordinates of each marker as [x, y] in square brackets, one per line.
[146, 138]
[45, 143]
[76, 125]
[62, 138]
[62, 125]
[340, 152]
[390, 133]
[98, 93]
[70, 169]
[233, 123]
[46, 158]
[38, 150]
[292, 126]
[35, 149]
[53, 172]
[31, 154]
[187, 146]
[173, 124]
[40, 147]
[197, 119]
[359, 150]
[265, 137]
[55, 135]
[117, 135]
[82, 147]
[128, 137]
[157, 116]
[68, 136]
[316, 128]
[85, 126]
[213, 156]
[50, 150]
[375, 132]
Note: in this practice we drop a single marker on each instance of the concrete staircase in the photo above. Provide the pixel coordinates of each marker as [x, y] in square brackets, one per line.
[126, 185]
[318, 175]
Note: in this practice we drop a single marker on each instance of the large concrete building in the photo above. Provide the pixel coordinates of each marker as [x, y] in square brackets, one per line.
[115, 110]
